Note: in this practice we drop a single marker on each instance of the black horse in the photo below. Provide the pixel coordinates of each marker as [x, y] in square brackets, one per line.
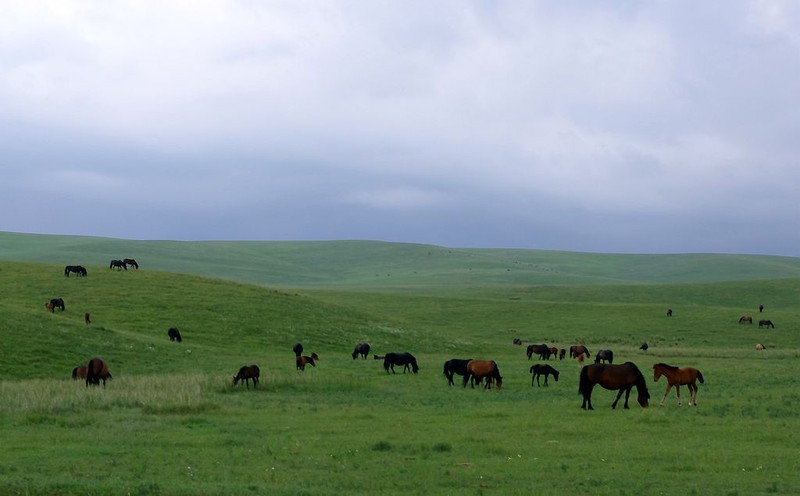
[79, 270]
[538, 349]
[117, 264]
[174, 334]
[542, 370]
[407, 360]
[455, 366]
[298, 349]
[246, 374]
[766, 323]
[604, 356]
[131, 262]
[361, 349]
[56, 303]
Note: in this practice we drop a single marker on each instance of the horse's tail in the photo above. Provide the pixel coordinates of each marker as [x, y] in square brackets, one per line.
[700, 377]
[444, 371]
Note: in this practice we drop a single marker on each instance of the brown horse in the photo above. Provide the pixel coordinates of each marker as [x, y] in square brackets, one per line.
[479, 369]
[539, 349]
[678, 377]
[766, 323]
[79, 372]
[745, 319]
[613, 377]
[562, 353]
[545, 370]
[246, 374]
[577, 349]
[131, 262]
[96, 371]
[303, 360]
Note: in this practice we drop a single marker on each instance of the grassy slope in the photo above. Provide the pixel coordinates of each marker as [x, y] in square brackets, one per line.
[178, 428]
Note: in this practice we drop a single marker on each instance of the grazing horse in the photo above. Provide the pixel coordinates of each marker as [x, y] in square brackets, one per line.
[455, 366]
[745, 319]
[131, 262]
[540, 349]
[96, 371]
[480, 369]
[174, 334]
[581, 358]
[613, 377]
[361, 349]
[55, 303]
[407, 360]
[301, 361]
[298, 349]
[577, 349]
[644, 346]
[766, 323]
[760, 347]
[562, 353]
[678, 377]
[247, 373]
[669, 312]
[604, 356]
[518, 341]
[117, 264]
[79, 372]
[539, 370]
[553, 352]
[79, 270]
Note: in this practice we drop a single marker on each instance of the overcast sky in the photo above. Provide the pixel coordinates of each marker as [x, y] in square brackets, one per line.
[636, 127]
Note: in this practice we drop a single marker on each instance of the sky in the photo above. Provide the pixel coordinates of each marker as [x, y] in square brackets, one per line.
[624, 127]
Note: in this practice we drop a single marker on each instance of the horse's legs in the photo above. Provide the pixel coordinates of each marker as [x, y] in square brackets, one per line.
[678, 392]
[466, 379]
[669, 386]
[619, 395]
[692, 394]
[587, 399]
[546, 376]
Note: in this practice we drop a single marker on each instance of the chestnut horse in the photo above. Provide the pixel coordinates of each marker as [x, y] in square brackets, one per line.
[247, 373]
[613, 377]
[303, 360]
[479, 369]
[79, 372]
[96, 371]
[745, 319]
[577, 349]
[678, 377]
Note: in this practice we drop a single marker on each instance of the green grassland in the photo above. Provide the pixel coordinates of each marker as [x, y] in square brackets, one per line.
[170, 422]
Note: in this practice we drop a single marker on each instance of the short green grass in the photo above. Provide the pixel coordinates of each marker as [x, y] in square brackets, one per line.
[170, 422]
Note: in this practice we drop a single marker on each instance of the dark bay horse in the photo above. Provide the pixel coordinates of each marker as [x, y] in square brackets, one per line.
[96, 371]
[576, 349]
[406, 359]
[766, 323]
[455, 366]
[361, 349]
[79, 270]
[246, 374]
[613, 377]
[538, 349]
[55, 303]
[79, 372]
[604, 356]
[131, 262]
[678, 377]
[542, 370]
[303, 360]
[174, 334]
[298, 349]
[745, 319]
[118, 264]
[483, 369]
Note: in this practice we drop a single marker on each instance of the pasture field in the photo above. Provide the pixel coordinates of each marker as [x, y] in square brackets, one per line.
[170, 422]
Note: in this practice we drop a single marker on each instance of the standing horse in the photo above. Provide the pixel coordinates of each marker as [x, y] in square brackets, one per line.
[79, 270]
[55, 303]
[302, 361]
[669, 312]
[678, 377]
[480, 369]
[174, 334]
[745, 319]
[96, 371]
[765, 323]
[562, 353]
[298, 349]
[613, 377]
[455, 366]
[577, 349]
[247, 373]
[644, 346]
[407, 360]
[131, 262]
[79, 372]
[117, 264]
[539, 349]
[539, 370]
[604, 356]
[87, 318]
[361, 349]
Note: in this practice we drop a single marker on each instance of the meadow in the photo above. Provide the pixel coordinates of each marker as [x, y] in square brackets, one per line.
[170, 422]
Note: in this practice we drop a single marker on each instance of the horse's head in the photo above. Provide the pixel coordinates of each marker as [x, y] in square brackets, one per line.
[235, 380]
[499, 381]
[657, 373]
[643, 398]
[555, 374]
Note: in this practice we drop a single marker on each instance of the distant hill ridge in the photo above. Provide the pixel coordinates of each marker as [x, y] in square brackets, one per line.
[378, 265]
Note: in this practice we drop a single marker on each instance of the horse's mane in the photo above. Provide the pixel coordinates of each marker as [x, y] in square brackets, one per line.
[641, 382]
[664, 365]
